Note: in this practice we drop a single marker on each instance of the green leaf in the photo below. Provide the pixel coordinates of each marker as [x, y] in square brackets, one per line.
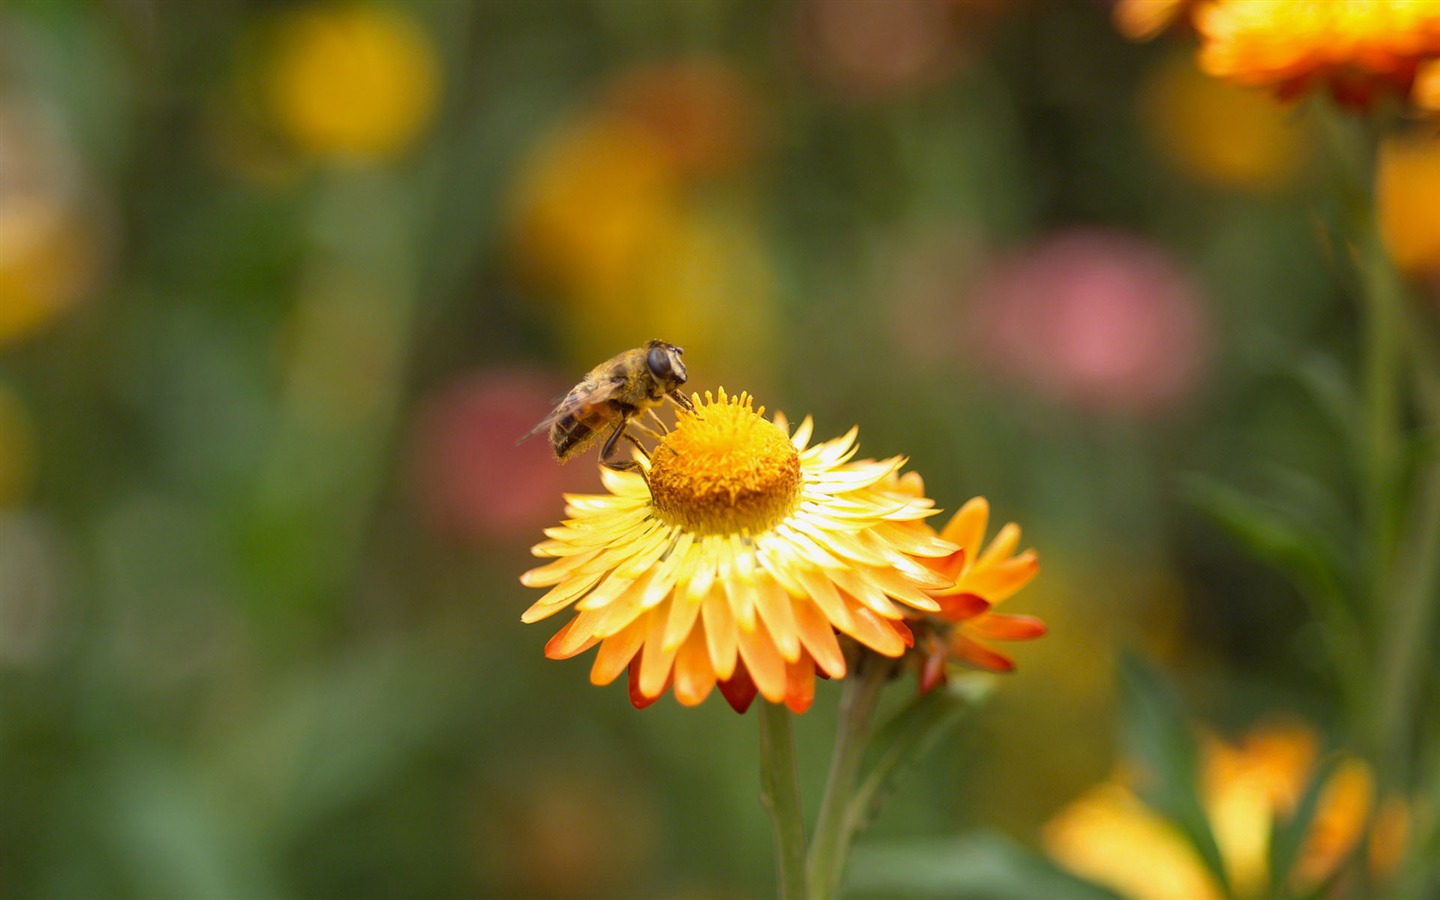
[907, 736]
[1286, 838]
[1156, 735]
[1271, 534]
[1288, 541]
[1328, 386]
[977, 865]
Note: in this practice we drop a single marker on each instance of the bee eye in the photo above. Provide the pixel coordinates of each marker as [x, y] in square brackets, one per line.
[659, 362]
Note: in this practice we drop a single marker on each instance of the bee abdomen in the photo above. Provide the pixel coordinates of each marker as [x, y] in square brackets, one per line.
[570, 435]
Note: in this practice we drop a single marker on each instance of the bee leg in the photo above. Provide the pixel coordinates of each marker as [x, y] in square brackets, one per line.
[681, 400]
[636, 441]
[607, 451]
[648, 431]
[664, 429]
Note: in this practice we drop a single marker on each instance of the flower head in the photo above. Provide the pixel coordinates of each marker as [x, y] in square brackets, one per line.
[741, 556]
[1355, 48]
[979, 580]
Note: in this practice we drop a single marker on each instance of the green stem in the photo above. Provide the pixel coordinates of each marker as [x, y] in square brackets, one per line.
[1403, 566]
[1384, 315]
[835, 829]
[780, 795]
[1410, 624]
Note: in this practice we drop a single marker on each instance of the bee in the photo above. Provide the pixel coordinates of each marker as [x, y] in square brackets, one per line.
[611, 396]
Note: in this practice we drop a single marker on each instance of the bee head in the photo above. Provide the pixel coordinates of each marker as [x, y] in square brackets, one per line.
[665, 364]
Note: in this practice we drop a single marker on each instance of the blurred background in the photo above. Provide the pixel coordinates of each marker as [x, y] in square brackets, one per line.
[282, 282]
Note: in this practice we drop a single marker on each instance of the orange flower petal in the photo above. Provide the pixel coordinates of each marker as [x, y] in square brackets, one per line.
[764, 662]
[800, 685]
[967, 651]
[694, 676]
[617, 651]
[967, 528]
[1007, 628]
[958, 607]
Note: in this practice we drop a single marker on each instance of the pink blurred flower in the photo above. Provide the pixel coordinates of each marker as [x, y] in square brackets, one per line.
[1099, 319]
[472, 481]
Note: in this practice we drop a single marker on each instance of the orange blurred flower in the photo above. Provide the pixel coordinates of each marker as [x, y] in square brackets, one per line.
[1356, 49]
[1248, 789]
[355, 82]
[1141, 20]
[700, 109]
[1407, 197]
[739, 561]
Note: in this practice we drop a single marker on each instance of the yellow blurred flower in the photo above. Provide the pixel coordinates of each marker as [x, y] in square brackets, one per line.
[605, 223]
[615, 218]
[1407, 197]
[48, 258]
[1356, 49]
[590, 200]
[1219, 132]
[51, 241]
[17, 449]
[1108, 836]
[708, 282]
[358, 82]
[1247, 789]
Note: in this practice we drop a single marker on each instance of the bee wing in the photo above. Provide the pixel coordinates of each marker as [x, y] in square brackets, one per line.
[574, 403]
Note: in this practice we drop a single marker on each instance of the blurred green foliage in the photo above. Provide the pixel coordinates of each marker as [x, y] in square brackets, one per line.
[239, 654]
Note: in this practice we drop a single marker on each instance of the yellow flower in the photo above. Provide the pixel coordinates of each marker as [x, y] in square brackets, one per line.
[591, 200]
[1407, 194]
[1247, 789]
[53, 231]
[356, 82]
[1355, 48]
[739, 561]
[1221, 133]
[1108, 836]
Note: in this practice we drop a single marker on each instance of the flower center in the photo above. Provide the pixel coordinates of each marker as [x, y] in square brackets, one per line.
[725, 469]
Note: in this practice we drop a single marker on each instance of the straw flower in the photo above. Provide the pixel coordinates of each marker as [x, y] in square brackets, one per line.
[740, 555]
[1357, 49]
[979, 580]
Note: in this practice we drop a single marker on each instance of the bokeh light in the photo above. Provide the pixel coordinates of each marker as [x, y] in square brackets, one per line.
[1101, 320]
[1407, 193]
[282, 285]
[352, 81]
